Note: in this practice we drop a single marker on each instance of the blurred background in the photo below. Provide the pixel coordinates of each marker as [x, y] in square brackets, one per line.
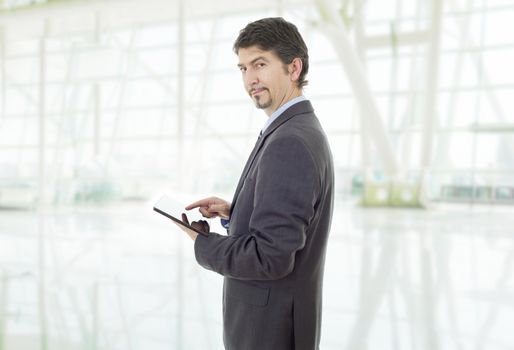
[105, 105]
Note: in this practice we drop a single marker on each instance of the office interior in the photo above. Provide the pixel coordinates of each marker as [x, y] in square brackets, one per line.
[106, 105]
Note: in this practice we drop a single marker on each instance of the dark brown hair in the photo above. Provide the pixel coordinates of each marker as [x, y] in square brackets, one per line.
[279, 36]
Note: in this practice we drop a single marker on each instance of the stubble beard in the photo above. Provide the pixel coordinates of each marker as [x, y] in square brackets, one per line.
[262, 103]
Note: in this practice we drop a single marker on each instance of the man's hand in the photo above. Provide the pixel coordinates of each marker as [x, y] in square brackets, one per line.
[212, 207]
[201, 225]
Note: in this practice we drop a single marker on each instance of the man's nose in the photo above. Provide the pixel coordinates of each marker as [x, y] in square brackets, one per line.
[251, 78]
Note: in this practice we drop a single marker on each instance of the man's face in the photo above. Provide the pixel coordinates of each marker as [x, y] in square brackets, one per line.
[266, 79]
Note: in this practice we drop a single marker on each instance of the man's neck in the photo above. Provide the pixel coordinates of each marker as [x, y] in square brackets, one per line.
[294, 94]
[281, 110]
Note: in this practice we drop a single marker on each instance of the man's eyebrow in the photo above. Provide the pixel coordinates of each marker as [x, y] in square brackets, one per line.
[253, 61]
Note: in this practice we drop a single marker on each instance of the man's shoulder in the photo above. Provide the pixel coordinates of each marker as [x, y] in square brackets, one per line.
[301, 107]
[305, 133]
[303, 124]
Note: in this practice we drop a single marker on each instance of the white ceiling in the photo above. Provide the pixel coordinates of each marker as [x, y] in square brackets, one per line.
[67, 16]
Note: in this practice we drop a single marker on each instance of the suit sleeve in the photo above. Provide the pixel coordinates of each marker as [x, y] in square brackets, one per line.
[286, 189]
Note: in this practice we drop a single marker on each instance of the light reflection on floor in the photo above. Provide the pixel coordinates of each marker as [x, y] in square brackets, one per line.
[123, 278]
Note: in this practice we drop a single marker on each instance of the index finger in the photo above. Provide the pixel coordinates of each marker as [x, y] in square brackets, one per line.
[201, 203]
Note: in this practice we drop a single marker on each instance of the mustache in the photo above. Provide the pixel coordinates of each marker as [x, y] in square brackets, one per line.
[255, 88]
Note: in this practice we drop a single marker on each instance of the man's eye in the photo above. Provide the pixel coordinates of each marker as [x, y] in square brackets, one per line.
[260, 65]
[242, 69]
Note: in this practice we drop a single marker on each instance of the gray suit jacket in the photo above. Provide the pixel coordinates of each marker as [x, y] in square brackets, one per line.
[273, 256]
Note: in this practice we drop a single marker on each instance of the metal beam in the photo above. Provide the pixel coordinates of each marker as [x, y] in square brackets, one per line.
[336, 32]
[96, 95]
[432, 83]
[400, 39]
[2, 71]
[41, 114]
[124, 72]
[41, 291]
[3, 308]
[432, 68]
[181, 38]
[493, 127]
[364, 133]
[180, 89]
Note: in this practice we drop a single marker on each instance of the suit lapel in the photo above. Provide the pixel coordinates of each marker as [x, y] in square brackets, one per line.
[296, 109]
[246, 169]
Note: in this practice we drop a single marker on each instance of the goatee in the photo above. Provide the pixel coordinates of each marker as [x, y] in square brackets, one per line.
[263, 104]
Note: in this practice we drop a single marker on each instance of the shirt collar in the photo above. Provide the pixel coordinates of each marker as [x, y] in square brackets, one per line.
[280, 110]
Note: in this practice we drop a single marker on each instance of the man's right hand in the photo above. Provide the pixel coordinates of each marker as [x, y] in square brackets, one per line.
[212, 207]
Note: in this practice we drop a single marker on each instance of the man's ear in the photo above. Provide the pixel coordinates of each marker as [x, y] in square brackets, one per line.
[295, 69]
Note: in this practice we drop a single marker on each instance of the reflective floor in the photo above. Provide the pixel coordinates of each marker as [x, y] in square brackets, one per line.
[123, 278]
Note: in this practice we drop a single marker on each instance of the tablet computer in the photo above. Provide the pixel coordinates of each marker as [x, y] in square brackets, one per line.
[171, 209]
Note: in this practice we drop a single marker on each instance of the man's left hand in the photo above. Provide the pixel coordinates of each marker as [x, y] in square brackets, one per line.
[200, 225]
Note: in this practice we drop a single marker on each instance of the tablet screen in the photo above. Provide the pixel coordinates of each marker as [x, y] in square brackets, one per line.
[170, 208]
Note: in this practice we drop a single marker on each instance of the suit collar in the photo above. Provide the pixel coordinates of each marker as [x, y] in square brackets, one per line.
[275, 115]
[298, 108]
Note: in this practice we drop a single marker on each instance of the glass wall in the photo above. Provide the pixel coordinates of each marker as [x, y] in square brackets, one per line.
[94, 114]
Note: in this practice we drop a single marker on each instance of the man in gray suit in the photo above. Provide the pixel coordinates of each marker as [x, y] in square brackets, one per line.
[278, 222]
